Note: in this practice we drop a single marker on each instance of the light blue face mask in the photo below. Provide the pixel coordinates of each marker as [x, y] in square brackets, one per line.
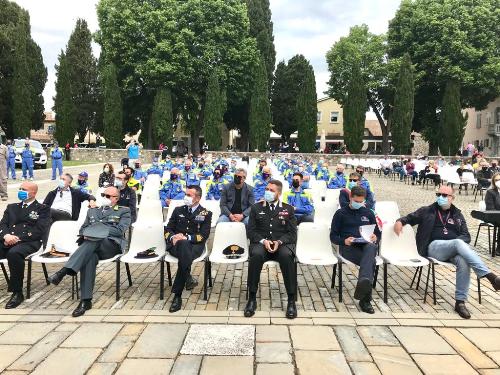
[269, 196]
[351, 184]
[357, 205]
[442, 201]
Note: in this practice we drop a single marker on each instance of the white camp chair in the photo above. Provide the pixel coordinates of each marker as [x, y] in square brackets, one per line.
[226, 234]
[324, 211]
[332, 196]
[387, 211]
[314, 247]
[214, 207]
[399, 251]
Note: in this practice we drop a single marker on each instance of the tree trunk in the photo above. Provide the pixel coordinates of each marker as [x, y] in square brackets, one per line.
[385, 128]
[149, 137]
[244, 139]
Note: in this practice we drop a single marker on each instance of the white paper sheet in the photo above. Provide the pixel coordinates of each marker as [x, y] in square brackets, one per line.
[366, 231]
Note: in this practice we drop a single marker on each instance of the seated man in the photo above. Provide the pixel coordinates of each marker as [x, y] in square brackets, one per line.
[23, 228]
[128, 197]
[236, 199]
[272, 230]
[300, 200]
[102, 236]
[386, 165]
[155, 168]
[442, 234]
[483, 175]
[172, 189]
[65, 201]
[185, 234]
[338, 179]
[188, 175]
[261, 182]
[215, 186]
[345, 228]
[345, 194]
[82, 183]
[364, 183]
[323, 173]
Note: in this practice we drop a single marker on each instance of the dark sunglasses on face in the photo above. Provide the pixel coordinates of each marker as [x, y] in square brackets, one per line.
[353, 180]
[442, 195]
[107, 196]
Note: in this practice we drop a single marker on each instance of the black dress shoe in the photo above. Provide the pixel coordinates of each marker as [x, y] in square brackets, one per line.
[176, 304]
[83, 306]
[56, 278]
[250, 308]
[462, 310]
[363, 289]
[291, 310]
[191, 283]
[366, 307]
[15, 300]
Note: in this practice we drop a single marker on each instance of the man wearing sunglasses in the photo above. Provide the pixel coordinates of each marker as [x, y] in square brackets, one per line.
[442, 234]
[355, 179]
[102, 236]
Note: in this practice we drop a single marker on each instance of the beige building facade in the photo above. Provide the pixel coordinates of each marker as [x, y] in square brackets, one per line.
[483, 128]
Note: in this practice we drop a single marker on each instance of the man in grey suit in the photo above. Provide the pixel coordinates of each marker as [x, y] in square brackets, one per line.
[236, 199]
[102, 236]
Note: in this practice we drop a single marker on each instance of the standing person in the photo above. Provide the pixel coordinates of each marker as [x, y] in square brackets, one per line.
[185, 234]
[23, 228]
[272, 230]
[56, 155]
[27, 159]
[107, 177]
[236, 199]
[132, 152]
[67, 151]
[102, 236]
[4, 159]
[11, 161]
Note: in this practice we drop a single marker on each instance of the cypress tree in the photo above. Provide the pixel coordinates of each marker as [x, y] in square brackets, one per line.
[306, 110]
[37, 74]
[259, 117]
[162, 117]
[63, 104]
[452, 121]
[213, 116]
[112, 115]
[355, 111]
[283, 103]
[402, 116]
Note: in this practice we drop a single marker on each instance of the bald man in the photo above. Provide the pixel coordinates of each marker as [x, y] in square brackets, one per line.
[102, 236]
[23, 228]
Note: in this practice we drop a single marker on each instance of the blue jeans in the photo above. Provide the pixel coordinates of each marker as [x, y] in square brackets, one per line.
[464, 258]
[400, 171]
[226, 219]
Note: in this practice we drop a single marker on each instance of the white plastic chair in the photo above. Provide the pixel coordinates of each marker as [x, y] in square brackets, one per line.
[150, 211]
[171, 207]
[214, 207]
[323, 213]
[399, 251]
[387, 211]
[332, 196]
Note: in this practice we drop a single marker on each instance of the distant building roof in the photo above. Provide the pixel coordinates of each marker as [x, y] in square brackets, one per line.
[373, 127]
[50, 116]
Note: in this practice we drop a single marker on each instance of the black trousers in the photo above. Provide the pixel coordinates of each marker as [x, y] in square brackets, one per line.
[59, 215]
[285, 256]
[363, 256]
[185, 252]
[16, 256]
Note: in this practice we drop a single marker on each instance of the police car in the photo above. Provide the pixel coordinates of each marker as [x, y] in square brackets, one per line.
[38, 151]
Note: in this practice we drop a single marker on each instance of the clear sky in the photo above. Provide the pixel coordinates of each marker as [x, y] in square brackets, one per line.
[308, 27]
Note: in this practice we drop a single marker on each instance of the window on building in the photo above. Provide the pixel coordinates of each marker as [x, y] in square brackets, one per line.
[51, 129]
[478, 121]
[487, 142]
[497, 115]
[334, 117]
[318, 116]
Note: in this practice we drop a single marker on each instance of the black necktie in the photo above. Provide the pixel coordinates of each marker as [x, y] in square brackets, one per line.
[272, 207]
[25, 205]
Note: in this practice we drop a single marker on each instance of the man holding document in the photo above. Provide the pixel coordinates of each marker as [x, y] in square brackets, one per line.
[354, 228]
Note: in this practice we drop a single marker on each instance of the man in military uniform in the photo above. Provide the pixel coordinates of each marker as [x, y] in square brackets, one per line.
[185, 234]
[23, 228]
[102, 236]
[272, 230]
[56, 155]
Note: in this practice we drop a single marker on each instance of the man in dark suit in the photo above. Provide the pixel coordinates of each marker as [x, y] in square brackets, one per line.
[185, 234]
[272, 230]
[236, 199]
[128, 197]
[65, 201]
[23, 228]
[102, 236]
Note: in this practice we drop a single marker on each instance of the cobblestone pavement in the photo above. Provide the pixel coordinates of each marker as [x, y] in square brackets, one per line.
[137, 333]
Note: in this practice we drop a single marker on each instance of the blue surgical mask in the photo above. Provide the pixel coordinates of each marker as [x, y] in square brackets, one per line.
[351, 184]
[269, 196]
[61, 184]
[357, 205]
[442, 202]
[22, 195]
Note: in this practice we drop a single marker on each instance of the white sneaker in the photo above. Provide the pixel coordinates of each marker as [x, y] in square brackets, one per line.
[32, 179]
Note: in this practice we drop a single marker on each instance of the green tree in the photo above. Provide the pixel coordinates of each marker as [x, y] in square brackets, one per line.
[37, 74]
[213, 113]
[82, 67]
[112, 116]
[452, 121]
[355, 111]
[402, 115]
[448, 40]
[178, 44]
[260, 113]
[370, 52]
[63, 104]
[162, 118]
[306, 110]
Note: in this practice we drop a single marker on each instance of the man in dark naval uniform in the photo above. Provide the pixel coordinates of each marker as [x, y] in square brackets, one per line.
[186, 233]
[23, 228]
[272, 230]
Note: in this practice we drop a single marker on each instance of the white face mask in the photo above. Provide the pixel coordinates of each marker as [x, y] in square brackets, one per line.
[497, 184]
[106, 169]
[105, 202]
[188, 201]
[119, 184]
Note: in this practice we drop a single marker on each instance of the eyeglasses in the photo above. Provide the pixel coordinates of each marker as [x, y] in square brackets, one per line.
[108, 196]
[443, 195]
[353, 180]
